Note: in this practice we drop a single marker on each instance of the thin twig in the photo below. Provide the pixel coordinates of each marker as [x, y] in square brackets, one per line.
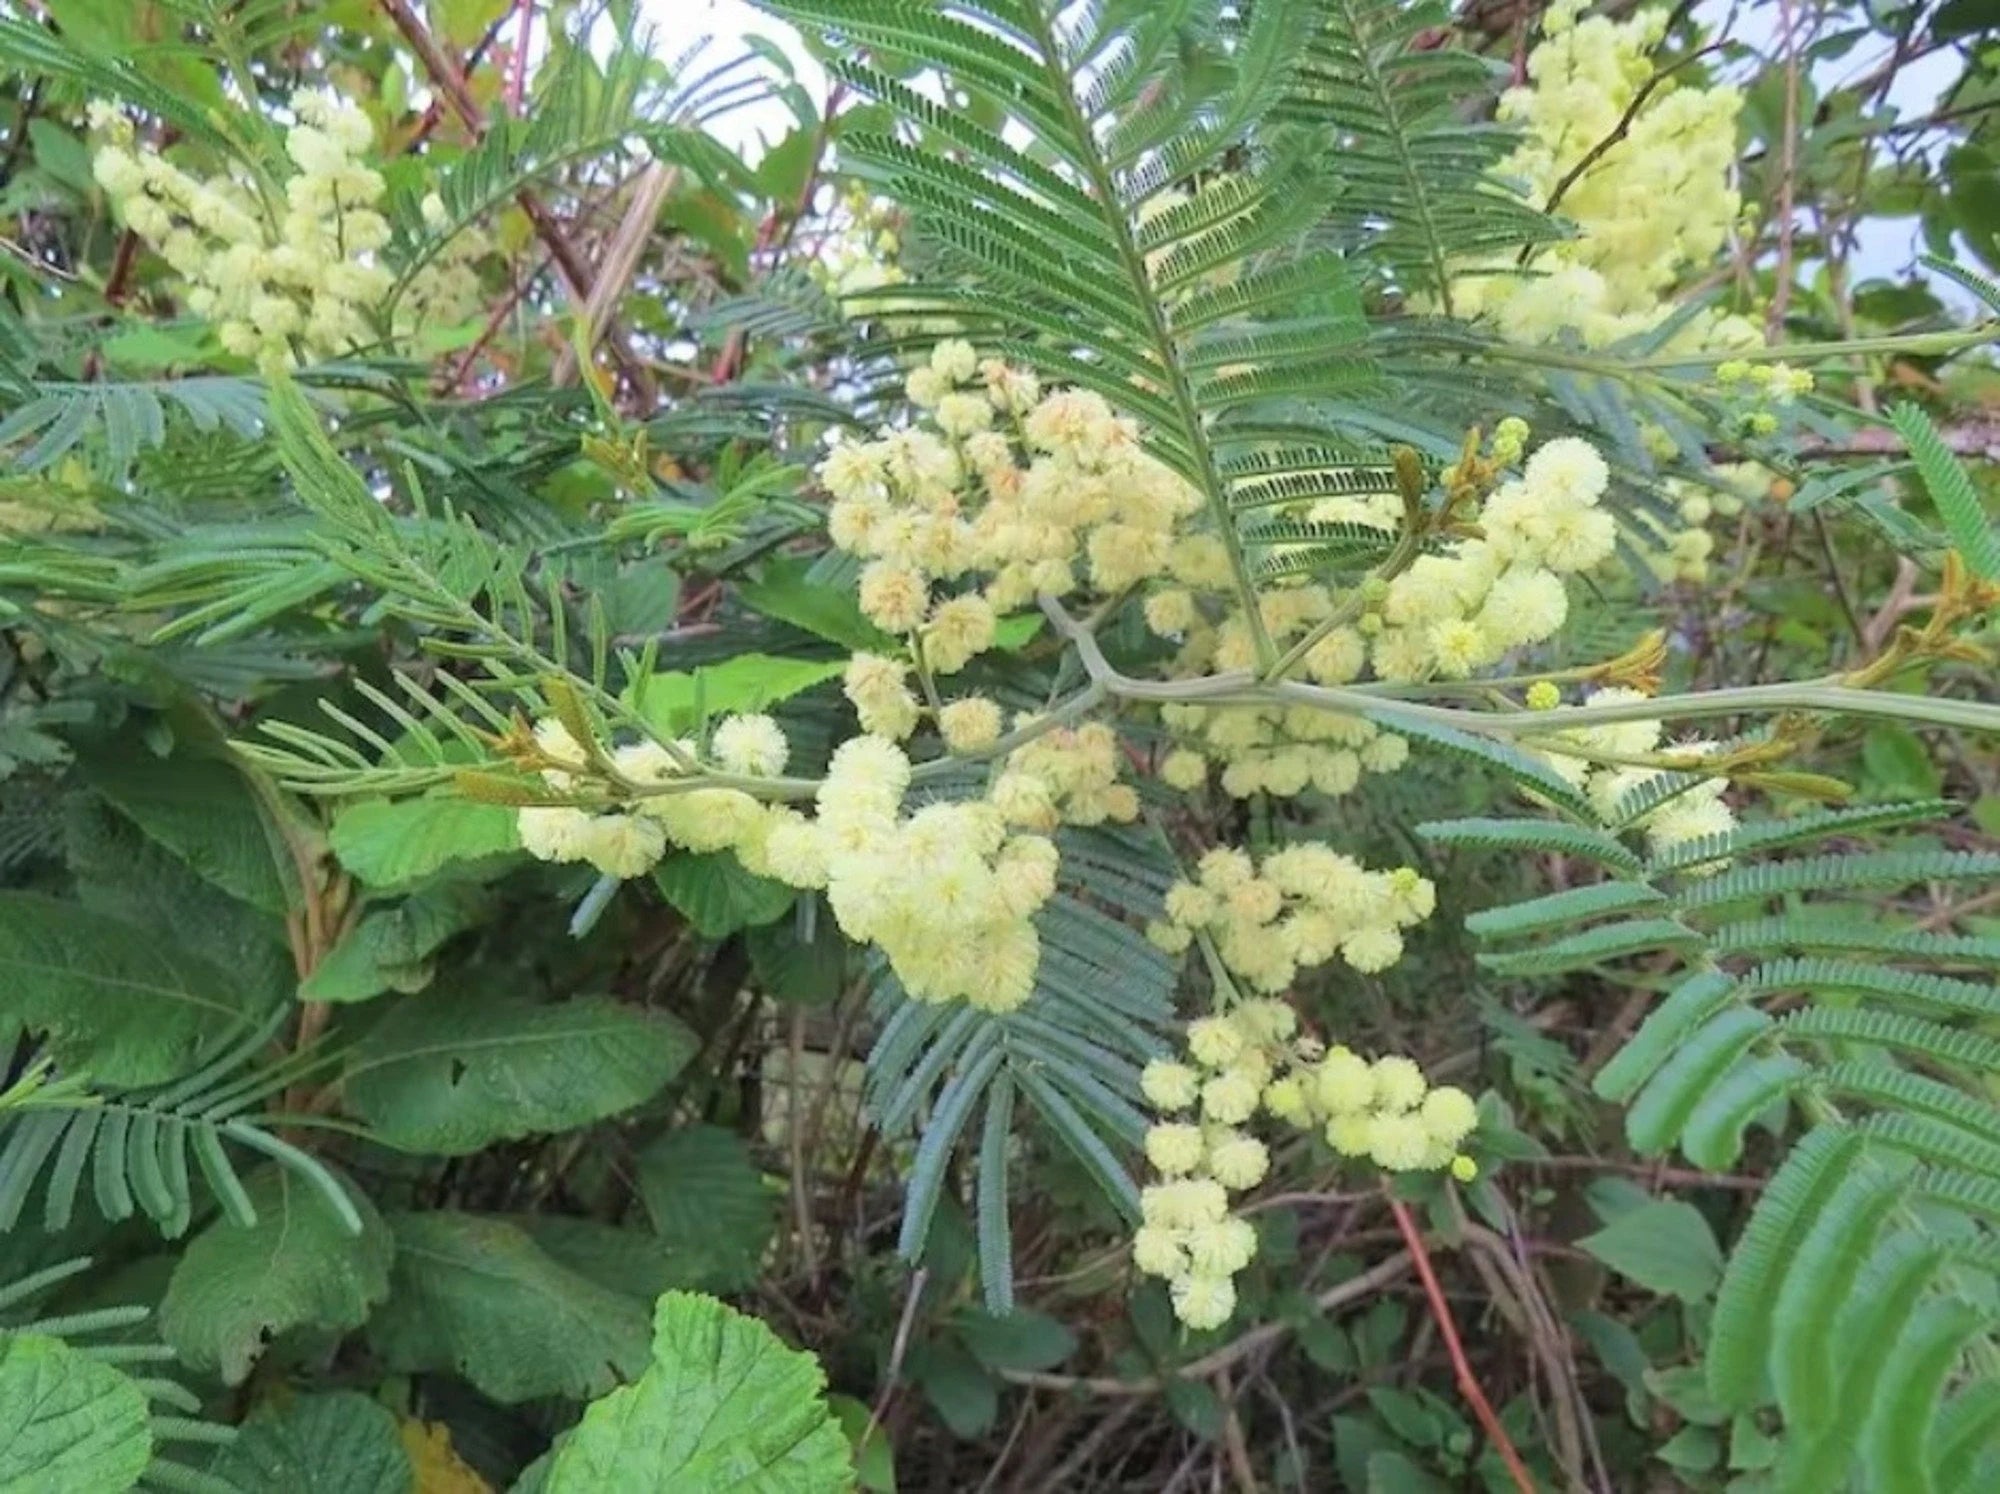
[1241, 687]
[1620, 130]
[615, 270]
[1788, 162]
[898, 1348]
[795, 1143]
[445, 75]
[1354, 1288]
[1233, 1441]
[1468, 1383]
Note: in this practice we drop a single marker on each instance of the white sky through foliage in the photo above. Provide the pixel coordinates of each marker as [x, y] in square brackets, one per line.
[1887, 249]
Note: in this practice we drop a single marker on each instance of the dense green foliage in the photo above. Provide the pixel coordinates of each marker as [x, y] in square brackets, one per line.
[351, 1141]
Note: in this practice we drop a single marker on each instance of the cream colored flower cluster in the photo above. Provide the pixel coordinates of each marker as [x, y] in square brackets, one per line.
[1252, 1060]
[628, 842]
[313, 277]
[304, 275]
[1760, 390]
[1300, 907]
[1657, 203]
[1068, 776]
[948, 891]
[1455, 613]
[1005, 491]
[1262, 749]
[1276, 750]
[1691, 815]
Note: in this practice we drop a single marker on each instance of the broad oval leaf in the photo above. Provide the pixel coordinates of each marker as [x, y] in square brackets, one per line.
[474, 1296]
[340, 1443]
[724, 1405]
[454, 1071]
[68, 1424]
[114, 999]
[394, 843]
[298, 1266]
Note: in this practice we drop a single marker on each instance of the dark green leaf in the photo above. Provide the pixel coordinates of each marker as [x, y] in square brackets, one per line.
[718, 895]
[298, 1266]
[455, 1071]
[1665, 1246]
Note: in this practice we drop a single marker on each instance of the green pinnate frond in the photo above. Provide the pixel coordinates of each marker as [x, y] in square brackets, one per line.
[1933, 993]
[1554, 909]
[1968, 1426]
[1982, 286]
[1527, 772]
[1102, 1007]
[1934, 1143]
[1648, 795]
[1688, 1005]
[1417, 191]
[1821, 1272]
[1895, 1292]
[1813, 929]
[1862, 871]
[1912, 1035]
[1740, 1331]
[1661, 1111]
[1610, 941]
[1536, 835]
[1950, 486]
[1886, 1087]
[1312, 287]
[1767, 835]
[142, 1150]
[130, 417]
[1713, 1135]
[1915, 1373]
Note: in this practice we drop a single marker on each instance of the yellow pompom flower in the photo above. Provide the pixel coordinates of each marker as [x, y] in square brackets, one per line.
[1344, 1083]
[1235, 1160]
[1215, 1042]
[1175, 1148]
[753, 745]
[1397, 1143]
[970, 724]
[1349, 1134]
[1399, 1083]
[1286, 1099]
[1169, 1086]
[1230, 1098]
[1204, 1302]
[1222, 1248]
[1158, 1252]
[1449, 1114]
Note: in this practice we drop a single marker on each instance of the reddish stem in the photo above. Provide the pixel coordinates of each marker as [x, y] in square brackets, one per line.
[1468, 1383]
[517, 85]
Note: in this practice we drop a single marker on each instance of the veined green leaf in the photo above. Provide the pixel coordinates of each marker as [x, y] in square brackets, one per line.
[723, 1404]
[452, 1072]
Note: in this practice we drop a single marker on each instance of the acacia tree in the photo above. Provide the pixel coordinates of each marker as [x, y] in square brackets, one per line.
[952, 729]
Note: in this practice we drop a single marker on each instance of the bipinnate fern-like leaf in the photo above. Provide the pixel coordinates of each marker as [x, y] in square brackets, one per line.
[1150, 247]
[159, 1414]
[1856, 1298]
[591, 104]
[55, 418]
[142, 1150]
[1101, 1009]
[1950, 486]
[1417, 189]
